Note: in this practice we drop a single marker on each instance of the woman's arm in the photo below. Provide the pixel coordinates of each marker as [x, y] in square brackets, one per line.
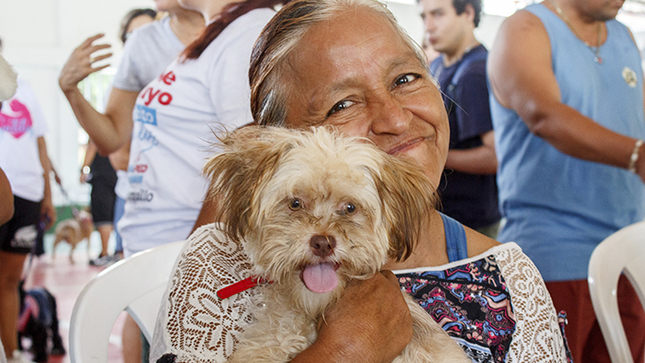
[536, 318]
[478, 160]
[90, 154]
[113, 128]
[46, 206]
[6, 198]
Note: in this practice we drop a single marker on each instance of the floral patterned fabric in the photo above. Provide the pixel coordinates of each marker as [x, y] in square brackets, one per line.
[472, 304]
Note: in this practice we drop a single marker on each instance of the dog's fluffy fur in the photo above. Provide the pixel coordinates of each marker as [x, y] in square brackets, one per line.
[39, 322]
[74, 231]
[287, 191]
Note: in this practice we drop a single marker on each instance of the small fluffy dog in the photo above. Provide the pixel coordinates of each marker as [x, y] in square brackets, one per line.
[74, 231]
[38, 321]
[313, 210]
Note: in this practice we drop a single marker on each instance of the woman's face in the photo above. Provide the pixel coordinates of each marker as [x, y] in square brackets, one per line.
[362, 78]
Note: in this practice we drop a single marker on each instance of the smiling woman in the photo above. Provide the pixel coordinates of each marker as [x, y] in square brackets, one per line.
[347, 64]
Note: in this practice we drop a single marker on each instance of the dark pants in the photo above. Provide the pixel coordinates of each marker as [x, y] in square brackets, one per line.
[583, 332]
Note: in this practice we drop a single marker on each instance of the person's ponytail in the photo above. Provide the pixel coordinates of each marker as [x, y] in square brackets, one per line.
[229, 13]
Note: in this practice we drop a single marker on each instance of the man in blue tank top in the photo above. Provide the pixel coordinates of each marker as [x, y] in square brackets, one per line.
[469, 190]
[568, 113]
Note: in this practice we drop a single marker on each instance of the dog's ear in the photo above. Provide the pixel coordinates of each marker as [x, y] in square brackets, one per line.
[249, 158]
[407, 196]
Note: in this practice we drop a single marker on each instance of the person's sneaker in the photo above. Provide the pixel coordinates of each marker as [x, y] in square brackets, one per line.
[101, 261]
[17, 357]
[117, 256]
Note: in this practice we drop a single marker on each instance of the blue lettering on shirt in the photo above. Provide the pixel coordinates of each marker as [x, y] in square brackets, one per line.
[145, 115]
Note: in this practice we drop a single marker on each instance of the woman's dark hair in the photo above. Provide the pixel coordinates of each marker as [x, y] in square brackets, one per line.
[229, 14]
[127, 19]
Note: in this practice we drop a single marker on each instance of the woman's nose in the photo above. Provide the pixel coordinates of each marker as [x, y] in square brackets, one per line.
[389, 116]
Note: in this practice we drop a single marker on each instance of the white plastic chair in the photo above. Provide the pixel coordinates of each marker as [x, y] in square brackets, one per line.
[622, 252]
[136, 285]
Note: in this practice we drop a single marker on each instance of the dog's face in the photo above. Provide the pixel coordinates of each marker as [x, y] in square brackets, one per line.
[314, 208]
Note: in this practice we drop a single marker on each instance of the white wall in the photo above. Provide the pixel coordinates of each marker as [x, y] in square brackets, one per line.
[38, 36]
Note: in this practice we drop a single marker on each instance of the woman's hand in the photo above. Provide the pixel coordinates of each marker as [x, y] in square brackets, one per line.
[370, 323]
[79, 64]
[48, 212]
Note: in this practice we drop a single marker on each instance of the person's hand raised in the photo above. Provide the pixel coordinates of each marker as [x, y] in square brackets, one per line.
[81, 61]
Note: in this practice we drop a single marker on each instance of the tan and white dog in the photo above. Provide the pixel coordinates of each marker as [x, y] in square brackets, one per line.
[314, 210]
[74, 231]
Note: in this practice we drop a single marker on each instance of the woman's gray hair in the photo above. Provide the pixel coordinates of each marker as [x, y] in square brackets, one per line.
[269, 90]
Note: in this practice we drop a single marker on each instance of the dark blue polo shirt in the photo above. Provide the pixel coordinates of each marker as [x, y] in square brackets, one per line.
[470, 199]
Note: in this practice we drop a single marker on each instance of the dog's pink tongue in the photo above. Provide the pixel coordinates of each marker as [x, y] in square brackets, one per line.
[320, 278]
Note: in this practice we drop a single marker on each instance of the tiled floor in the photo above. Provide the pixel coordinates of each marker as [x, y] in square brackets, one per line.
[65, 280]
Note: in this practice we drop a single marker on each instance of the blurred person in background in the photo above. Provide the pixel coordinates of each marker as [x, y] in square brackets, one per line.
[569, 118]
[109, 178]
[469, 189]
[23, 158]
[147, 52]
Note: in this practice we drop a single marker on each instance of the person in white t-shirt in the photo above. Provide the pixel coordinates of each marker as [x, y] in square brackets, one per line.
[23, 158]
[103, 192]
[147, 52]
[8, 87]
[204, 91]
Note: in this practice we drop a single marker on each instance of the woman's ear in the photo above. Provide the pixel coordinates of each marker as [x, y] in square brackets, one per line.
[249, 158]
[407, 196]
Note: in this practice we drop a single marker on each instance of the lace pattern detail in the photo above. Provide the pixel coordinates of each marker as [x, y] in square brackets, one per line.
[537, 335]
[197, 326]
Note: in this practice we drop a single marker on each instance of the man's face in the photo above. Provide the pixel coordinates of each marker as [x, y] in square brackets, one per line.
[446, 29]
[603, 9]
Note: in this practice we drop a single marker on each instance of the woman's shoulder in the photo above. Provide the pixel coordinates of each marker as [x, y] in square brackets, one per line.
[192, 308]
[478, 243]
[210, 241]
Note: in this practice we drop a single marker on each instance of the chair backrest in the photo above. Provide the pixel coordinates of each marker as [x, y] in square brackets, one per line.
[136, 285]
[622, 252]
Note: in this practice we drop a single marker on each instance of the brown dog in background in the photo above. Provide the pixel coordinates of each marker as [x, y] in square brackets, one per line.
[74, 231]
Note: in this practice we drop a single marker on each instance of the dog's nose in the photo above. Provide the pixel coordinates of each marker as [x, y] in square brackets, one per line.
[322, 246]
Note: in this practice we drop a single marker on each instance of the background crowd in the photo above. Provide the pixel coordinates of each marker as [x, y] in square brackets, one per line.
[545, 146]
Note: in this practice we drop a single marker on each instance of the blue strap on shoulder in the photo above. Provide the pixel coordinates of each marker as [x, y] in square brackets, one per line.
[456, 244]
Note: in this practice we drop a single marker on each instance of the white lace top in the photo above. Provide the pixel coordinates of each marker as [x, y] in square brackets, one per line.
[197, 326]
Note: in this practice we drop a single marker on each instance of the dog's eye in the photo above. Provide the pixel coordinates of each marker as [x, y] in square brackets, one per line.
[295, 204]
[350, 208]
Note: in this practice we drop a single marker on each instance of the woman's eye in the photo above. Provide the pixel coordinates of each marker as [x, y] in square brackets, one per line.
[295, 204]
[350, 208]
[406, 78]
[339, 107]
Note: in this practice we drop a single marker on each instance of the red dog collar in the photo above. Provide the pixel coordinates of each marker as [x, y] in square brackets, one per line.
[239, 286]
